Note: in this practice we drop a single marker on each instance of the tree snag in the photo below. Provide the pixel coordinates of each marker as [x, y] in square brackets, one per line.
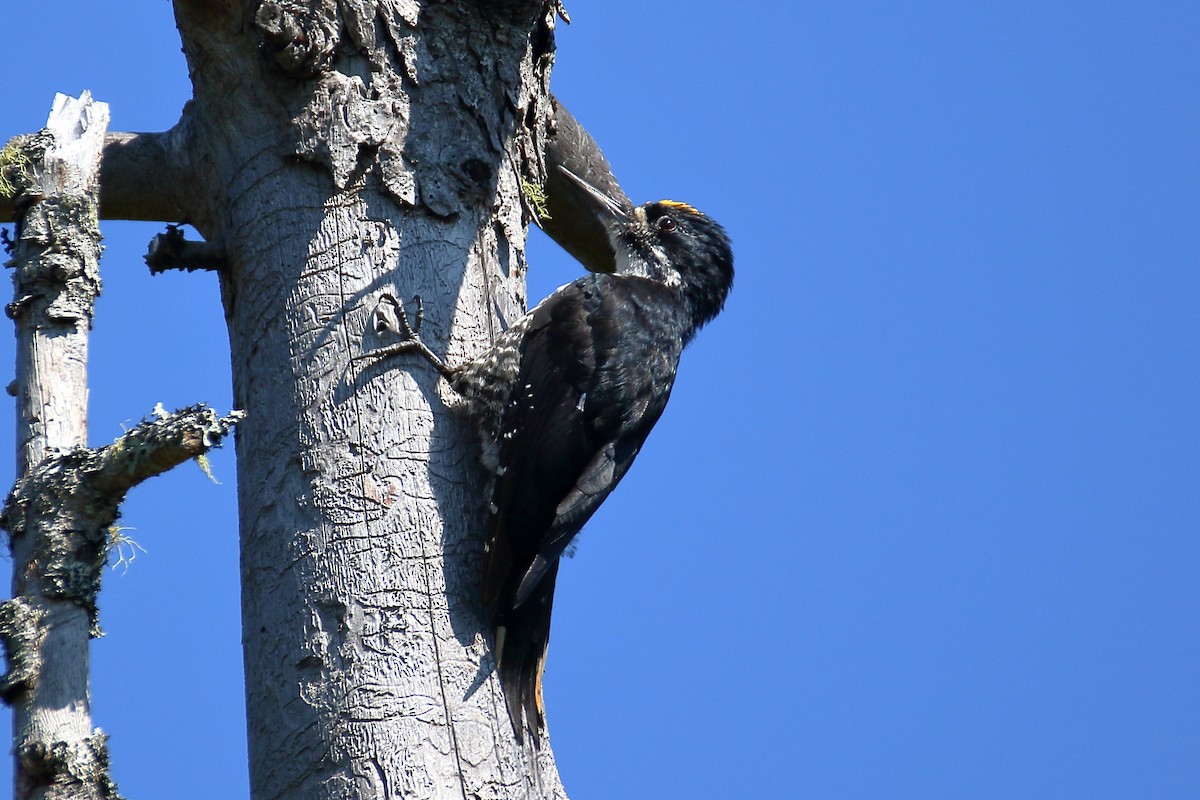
[351, 150]
[61, 512]
[334, 153]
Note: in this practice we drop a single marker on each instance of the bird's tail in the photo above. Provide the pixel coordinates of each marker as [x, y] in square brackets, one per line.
[522, 635]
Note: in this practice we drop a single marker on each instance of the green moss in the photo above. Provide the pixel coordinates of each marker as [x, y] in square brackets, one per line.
[14, 167]
[535, 195]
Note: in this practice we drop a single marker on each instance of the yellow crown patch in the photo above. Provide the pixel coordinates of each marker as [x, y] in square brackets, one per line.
[680, 206]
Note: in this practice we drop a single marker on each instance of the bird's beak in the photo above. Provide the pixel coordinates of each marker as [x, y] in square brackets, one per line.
[610, 211]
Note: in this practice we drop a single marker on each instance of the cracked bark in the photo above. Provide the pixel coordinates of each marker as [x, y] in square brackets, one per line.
[354, 149]
[149, 177]
[55, 282]
[335, 151]
[65, 501]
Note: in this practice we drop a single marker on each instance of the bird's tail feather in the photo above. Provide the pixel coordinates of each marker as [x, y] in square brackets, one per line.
[522, 636]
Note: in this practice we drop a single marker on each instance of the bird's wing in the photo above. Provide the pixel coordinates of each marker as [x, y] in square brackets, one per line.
[581, 413]
[541, 443]
[598, 480]
[590, 387]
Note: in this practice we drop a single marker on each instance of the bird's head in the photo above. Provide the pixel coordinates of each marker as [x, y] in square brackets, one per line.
[671, 243]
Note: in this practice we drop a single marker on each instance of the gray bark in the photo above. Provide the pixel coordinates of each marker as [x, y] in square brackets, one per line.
[335, 151]
[60, 512]
[56, 282]
[148, 176]
[351, 149]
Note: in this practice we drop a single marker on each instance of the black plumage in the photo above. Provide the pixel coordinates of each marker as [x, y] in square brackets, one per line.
[564, 401]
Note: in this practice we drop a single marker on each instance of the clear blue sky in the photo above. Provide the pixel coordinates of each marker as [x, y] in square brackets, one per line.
[923, 518]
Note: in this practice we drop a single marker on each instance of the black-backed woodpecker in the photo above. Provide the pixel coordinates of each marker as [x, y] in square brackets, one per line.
[564, 401]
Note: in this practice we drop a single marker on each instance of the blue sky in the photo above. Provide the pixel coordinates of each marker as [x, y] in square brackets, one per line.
[922, 518]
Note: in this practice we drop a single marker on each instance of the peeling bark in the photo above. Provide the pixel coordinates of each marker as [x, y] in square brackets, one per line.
[358, 148]
[337, 150]
[149, 176]
[143, 176]
[61, 510]
[55, 281]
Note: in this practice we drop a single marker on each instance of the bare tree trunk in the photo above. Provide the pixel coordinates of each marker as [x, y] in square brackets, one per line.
[61, 511]
[335, 152]
[339, 151]
[47, 623]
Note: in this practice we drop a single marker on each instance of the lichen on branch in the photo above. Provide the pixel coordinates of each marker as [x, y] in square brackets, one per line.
[69, 501]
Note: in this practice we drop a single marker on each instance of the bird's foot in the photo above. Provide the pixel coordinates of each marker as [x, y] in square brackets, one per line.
[409, 333]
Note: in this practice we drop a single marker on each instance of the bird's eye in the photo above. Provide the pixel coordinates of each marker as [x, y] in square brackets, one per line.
[666, 224]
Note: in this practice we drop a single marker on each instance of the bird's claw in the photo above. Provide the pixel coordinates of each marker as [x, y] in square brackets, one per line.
[409, 332]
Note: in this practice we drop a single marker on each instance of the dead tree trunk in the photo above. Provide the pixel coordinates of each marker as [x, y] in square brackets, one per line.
[47, 627]
[60, 513]
[334, 152]
[338, 151]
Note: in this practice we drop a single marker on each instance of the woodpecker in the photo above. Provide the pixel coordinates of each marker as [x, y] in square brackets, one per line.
[564, 401]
